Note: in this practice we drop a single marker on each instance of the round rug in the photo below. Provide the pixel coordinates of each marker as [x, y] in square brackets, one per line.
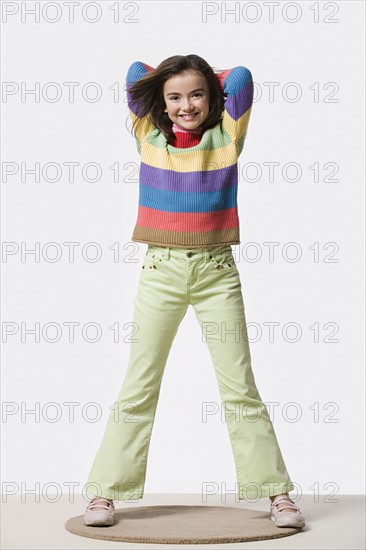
[184, 525]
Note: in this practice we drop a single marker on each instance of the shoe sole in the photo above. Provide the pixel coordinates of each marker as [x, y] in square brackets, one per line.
[288, 523]
[97, 523]
[94, 519]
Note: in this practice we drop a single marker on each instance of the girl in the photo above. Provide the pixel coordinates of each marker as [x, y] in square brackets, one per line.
[189, 122]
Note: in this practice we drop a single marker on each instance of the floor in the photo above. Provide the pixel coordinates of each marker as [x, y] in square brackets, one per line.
[330, 525]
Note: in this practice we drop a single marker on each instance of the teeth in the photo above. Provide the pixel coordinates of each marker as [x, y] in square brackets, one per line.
[188, 117]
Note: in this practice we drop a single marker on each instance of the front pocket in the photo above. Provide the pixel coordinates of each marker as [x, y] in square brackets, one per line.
[222, 259]
[153, 259]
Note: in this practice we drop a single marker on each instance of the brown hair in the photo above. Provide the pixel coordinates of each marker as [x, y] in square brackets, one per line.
[148, 92]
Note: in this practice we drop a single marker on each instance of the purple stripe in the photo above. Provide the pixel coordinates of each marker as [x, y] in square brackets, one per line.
[210, 180]
[238, 104]
[134, 106]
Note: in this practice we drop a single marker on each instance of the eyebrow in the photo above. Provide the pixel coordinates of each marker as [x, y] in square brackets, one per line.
[196, 90]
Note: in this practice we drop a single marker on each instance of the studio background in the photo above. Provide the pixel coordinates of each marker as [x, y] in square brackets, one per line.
[307, 118]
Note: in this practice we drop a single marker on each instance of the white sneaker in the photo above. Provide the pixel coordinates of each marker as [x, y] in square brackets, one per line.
[285, 518]
[99, 512]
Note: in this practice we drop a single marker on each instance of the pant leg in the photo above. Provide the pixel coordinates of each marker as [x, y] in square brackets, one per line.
[218, 303]
[119, 468]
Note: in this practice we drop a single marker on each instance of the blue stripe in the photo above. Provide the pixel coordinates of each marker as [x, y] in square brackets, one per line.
[190, 182]
[170, 201]
[237, 79]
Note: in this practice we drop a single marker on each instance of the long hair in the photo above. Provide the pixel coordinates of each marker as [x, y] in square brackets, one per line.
[148, 92]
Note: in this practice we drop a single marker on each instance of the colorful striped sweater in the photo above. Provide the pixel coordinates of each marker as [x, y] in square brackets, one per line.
[188, 195]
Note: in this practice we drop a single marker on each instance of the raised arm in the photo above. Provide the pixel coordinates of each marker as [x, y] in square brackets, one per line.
[237, 85]
[135, 72]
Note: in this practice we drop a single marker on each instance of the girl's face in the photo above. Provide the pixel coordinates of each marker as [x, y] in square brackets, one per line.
[186, 98]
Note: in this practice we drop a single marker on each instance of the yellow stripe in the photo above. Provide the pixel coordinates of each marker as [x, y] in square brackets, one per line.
[144, 127]
[236, 128]
[195, 160]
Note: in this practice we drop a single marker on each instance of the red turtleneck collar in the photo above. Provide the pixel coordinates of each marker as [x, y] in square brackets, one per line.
[186, 138]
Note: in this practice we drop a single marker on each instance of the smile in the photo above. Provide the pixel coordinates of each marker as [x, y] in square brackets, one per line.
[189, 117]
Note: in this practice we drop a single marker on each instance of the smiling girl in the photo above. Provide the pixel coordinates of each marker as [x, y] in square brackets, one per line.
[190, 122]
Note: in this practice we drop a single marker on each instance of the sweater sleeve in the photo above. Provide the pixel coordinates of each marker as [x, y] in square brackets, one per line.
[135, 72]
[237, 85]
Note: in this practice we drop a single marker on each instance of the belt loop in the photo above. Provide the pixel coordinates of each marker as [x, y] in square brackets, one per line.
[166, 252]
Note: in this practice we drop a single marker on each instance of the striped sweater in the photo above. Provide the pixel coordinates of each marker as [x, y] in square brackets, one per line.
[188, 195]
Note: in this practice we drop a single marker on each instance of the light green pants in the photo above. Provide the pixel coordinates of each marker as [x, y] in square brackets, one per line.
[171, 279]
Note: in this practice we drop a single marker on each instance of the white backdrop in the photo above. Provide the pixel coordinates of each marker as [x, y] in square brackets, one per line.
[70, 175]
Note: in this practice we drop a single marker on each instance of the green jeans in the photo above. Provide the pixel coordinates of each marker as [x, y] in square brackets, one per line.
[171, 279]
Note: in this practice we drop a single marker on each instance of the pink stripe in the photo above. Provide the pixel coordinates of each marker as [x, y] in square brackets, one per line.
[188, 222]
[177, 128]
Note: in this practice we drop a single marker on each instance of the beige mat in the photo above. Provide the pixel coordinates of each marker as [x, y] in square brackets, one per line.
[184, 525]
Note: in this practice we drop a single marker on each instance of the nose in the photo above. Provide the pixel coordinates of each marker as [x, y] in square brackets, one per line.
[187, 106]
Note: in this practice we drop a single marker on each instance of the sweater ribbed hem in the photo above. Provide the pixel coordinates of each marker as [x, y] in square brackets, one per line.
[185, 240]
